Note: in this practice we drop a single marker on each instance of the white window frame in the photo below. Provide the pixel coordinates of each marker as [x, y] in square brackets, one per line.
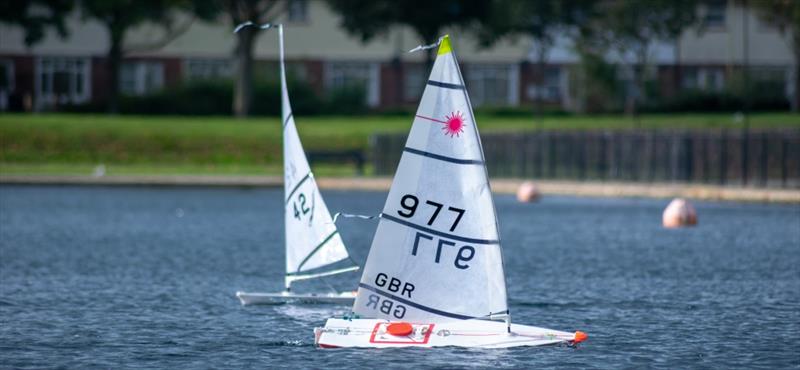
[209, 68]
[46, 67]
[479, 72]
[141, 68]
[414, 81]
[371, 76]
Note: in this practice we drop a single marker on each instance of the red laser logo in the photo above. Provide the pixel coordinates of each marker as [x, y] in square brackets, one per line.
[454, 124]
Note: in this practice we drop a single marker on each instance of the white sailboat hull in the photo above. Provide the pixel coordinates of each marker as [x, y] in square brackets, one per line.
[344, 298]
[373, 333]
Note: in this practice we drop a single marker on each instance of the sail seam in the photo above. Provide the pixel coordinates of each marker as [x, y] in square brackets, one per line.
[445, 85]
[441, 157]
[286, 121]
[291, 193]
[438, 233]
[416, 305]
[316, 249]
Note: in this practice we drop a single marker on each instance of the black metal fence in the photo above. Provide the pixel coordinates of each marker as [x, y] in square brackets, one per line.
[764, 158]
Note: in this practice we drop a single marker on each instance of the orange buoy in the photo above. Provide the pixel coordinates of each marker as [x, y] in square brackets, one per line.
[527, 192]
[399, 329]
[679, 213]
[580, 337]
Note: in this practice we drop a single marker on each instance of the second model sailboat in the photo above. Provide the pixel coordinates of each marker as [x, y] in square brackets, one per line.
[313, 243]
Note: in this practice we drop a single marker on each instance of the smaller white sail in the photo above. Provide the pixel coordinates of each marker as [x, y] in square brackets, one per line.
[312, 240]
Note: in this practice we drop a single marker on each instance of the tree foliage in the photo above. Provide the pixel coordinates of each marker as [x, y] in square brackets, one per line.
[258, 12]
[120, 16]
[370, 18]
[36, 16]
[632, 27]
[785, 16]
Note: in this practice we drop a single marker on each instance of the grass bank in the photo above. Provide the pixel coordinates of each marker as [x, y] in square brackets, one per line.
[76, 143]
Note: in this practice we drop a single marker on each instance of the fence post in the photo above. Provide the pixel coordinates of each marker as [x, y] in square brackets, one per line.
[723, 157]
[764, 159]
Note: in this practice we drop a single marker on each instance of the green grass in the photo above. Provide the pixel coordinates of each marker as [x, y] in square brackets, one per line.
[75, 143]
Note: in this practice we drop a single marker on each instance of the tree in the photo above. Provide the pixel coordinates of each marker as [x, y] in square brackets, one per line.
[258, 12]
[541, 20]
[35, 16]
[369, 18]
[785, 15]
[633, 26]
[120, 16]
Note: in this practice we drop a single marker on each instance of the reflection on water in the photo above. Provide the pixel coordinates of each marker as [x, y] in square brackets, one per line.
[145, 277]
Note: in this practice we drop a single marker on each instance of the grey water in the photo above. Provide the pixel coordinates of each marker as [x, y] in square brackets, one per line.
[95, 277]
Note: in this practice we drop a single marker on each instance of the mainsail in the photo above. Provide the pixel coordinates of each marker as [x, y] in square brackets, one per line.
[436, 253]
[312, 240]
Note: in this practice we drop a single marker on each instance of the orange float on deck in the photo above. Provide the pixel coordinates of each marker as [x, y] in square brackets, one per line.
[400, 329]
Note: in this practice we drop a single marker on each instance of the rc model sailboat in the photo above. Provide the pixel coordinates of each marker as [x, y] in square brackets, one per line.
[434, 275]
[313, 243]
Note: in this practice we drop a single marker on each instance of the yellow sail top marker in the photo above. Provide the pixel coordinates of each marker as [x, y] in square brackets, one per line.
[444, 45]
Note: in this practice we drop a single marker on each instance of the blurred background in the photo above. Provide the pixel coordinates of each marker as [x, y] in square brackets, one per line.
[690, 91]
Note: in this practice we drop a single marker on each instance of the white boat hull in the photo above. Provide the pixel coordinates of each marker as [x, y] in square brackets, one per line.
[373, 333]
[344, 298]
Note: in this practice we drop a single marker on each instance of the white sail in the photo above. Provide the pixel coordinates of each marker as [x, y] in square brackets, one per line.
[312, 240]
[436, 253]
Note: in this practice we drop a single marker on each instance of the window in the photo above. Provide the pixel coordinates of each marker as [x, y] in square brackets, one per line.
[62, 81]
[207, 69]
[703, 78]
[550, 90]
[414, 82]
[494, 85]
[298, 10]
[140, 78]
[341, 75]
[714, 16]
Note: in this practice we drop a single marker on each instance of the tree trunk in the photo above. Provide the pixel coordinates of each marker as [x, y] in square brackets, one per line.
[429, 59]
[639, 81]
[540, 66]
[114, 66]
[243, 89]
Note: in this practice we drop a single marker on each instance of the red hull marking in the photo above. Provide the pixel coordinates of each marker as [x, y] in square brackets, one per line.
[321, 345]
[431, 119]
[378, 325]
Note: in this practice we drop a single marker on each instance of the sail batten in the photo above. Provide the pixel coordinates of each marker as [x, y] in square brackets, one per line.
[436, 253]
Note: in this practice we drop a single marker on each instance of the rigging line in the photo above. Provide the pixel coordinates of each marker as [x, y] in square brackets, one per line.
[426, 47]
[351, 215]
[251, 24]
[431, 119]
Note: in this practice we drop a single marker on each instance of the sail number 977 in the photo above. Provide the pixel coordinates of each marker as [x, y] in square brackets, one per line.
[410, 204]
[465, 253]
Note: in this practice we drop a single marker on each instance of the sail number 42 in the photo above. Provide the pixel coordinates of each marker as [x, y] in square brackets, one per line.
[465, 253]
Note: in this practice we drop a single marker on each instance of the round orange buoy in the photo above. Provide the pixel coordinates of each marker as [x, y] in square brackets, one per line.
[679, 213]
[399, 329]
[527, 192]
[580, 337]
